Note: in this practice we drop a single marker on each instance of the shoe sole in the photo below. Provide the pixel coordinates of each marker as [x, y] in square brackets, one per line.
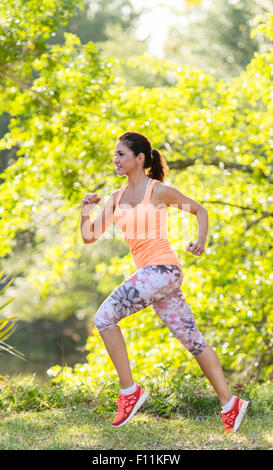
[134, 410]
[241, 415]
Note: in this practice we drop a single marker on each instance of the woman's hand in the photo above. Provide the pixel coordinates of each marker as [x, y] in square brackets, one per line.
[196, 248]
[90, 198]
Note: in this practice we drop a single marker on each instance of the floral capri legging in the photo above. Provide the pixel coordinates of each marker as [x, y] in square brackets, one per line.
[159, 286]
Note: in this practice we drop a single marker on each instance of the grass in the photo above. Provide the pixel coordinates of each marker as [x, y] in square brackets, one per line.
[52, 420]
[69, 429]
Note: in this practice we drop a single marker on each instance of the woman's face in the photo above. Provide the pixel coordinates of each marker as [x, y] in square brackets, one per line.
[124, 158]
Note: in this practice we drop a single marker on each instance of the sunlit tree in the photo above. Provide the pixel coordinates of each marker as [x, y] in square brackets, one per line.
[67, 109]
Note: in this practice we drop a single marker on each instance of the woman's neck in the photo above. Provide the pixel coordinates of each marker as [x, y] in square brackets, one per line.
[135, 183]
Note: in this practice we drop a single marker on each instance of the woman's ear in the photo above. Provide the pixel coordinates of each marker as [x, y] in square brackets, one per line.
[141, 157]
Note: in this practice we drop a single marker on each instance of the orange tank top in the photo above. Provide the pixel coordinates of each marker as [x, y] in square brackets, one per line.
[144, 229]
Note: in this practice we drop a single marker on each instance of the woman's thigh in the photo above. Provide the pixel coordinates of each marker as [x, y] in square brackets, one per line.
[147, 285]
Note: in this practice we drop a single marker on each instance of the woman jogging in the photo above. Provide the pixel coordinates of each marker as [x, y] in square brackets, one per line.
[140, 209]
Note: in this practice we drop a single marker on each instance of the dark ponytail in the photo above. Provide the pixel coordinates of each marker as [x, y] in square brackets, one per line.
[159, 167]
[155, 163]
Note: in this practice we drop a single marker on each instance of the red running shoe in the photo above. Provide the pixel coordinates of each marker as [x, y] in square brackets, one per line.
[128, 406]
[233, 418]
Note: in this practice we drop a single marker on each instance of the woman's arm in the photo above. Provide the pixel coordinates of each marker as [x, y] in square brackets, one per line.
[91, 231]
[203, 224]
[173, 197]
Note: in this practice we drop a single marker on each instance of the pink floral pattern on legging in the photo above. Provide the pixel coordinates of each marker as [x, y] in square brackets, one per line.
[159, 286]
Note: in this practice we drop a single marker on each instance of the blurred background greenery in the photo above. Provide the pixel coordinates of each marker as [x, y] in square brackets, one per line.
[194, 78]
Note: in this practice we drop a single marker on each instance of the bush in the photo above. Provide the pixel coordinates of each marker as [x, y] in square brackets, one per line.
[23, 395]
[179, 395]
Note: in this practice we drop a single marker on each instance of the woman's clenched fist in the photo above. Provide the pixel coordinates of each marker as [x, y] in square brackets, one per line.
[90, 198]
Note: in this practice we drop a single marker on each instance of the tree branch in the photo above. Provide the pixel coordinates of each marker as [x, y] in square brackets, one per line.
[264, 215]
[25, 86]
[182, 164]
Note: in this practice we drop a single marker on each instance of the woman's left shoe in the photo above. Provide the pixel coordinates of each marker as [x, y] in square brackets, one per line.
[128, 406]
[233, 418]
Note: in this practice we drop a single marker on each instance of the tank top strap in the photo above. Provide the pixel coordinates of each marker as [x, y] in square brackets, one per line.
[148, 193]
[121, 191]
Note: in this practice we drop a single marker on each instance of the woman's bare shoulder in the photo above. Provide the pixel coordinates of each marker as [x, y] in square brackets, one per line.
[161, 191]
[114, 197]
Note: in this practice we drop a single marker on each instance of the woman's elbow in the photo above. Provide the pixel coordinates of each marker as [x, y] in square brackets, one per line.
[87, 241]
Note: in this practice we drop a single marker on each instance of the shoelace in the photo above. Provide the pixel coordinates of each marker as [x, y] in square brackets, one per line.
[122, 403]
[119, 401]
[229, 420]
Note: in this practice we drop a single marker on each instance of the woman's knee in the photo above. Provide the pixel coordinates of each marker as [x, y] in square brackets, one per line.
[197, 346]
[103, 320]
[193, 340]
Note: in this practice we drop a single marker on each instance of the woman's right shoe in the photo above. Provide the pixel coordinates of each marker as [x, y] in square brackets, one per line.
[128, 406]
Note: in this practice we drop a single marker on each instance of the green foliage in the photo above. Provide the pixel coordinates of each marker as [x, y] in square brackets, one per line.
[92, 21]
[217, 139]
[264, 25]
[25, 395]
[217, 36]
[24, 27]
[180, 395]
[261, 397]
[7, 325]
